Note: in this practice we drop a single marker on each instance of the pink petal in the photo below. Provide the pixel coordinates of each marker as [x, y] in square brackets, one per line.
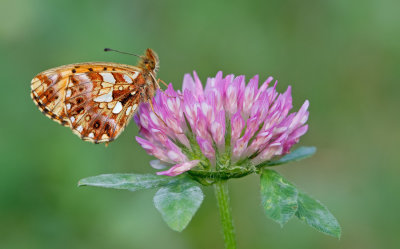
[179, 168]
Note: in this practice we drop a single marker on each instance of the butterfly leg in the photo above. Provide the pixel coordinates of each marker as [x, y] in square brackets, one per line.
[152, 108]
[165, 84]
[160, 80]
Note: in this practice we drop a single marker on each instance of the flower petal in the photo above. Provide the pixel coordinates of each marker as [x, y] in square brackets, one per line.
[257, 120]
[179, 168]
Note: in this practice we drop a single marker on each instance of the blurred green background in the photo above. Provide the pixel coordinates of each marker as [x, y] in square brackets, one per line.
[344, 56]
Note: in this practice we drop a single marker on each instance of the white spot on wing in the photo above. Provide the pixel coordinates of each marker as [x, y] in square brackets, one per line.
[68, 94]
[117, 109]
[133, 93]
[108, 77]
[135, 75]
[127, 79]
[82, 77]
[68, 106]
[72, 119]
[104, 98]
[134, 107]
[53, 78]
[91, 135]
[80, 128]
[128, 110]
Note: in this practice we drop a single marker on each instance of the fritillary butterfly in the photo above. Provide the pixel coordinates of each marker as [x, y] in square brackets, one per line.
[96, 99]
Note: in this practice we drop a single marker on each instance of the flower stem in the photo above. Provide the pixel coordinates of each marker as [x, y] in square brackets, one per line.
[222, 194]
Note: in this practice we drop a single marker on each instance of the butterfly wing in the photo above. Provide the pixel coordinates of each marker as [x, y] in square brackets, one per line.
[100, 105]
[48, 91]
[95, 99]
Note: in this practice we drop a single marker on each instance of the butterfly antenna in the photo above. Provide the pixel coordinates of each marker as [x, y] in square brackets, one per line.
[113, 50]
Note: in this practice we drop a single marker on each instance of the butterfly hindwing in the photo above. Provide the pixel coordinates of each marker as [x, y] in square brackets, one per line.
[99, 105]
[47, 91]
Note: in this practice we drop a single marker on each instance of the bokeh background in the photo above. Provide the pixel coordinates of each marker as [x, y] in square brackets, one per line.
[344, 56]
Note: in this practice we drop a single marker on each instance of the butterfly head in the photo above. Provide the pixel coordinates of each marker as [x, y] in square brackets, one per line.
[150, 61]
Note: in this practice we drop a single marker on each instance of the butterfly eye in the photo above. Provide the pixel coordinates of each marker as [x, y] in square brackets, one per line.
[149, 64]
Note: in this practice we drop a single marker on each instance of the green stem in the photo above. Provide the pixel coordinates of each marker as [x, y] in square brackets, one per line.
[222, 194]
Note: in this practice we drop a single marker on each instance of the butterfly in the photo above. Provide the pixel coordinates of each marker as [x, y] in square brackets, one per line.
[96, 99]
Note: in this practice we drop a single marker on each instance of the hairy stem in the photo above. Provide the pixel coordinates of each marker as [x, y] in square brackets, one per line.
[222, 194]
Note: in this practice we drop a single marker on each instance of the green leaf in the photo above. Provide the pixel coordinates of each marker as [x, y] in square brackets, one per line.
[278, 196]
[178, 202]
[130, 182]
[317, 215]
[296, 155]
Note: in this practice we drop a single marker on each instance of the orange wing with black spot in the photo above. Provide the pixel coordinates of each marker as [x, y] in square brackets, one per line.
[96, 100]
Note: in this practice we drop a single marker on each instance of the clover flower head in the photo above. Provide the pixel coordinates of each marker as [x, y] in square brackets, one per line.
[225, 125]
